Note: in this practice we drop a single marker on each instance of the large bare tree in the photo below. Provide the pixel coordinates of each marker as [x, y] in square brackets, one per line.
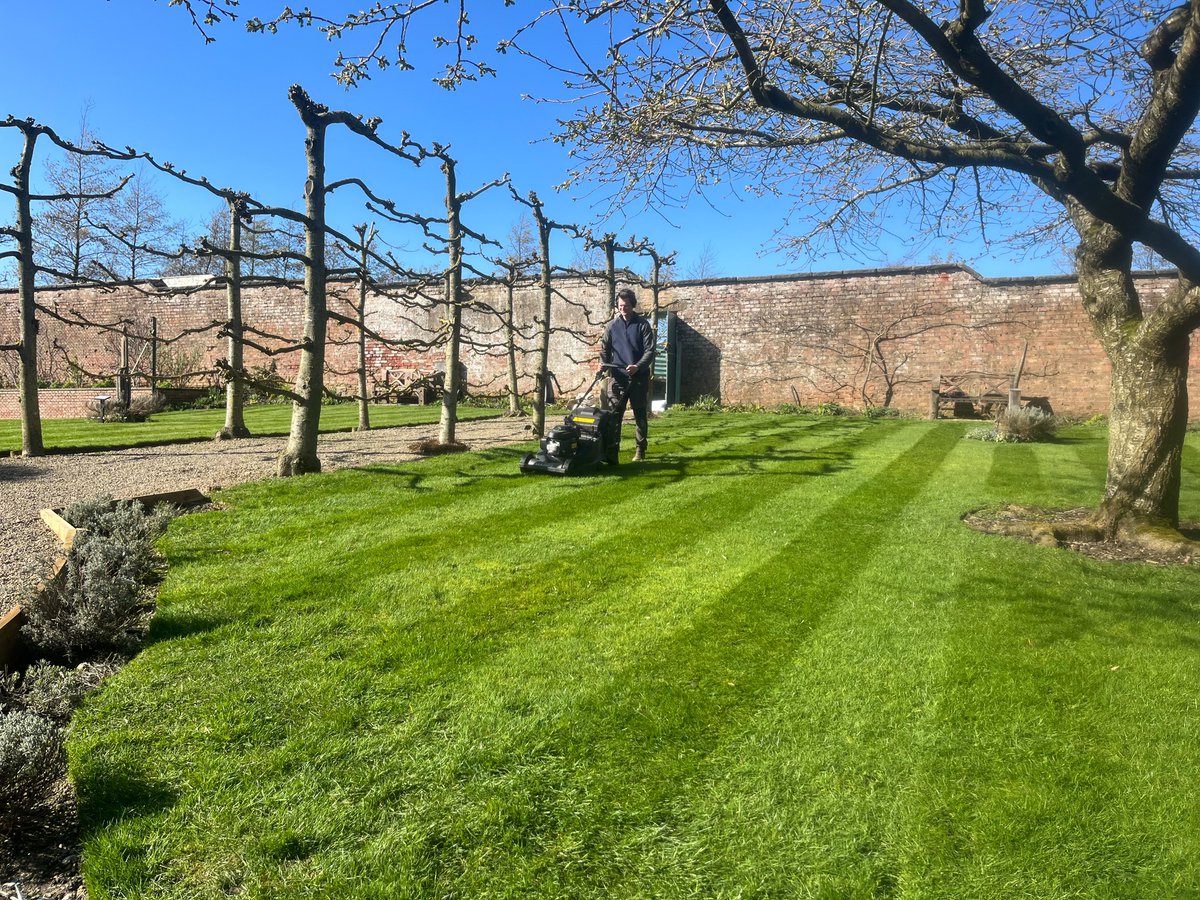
[1082, 116]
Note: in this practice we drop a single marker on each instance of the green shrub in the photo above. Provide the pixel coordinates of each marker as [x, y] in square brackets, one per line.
[32, 760]
[55, 692]
[102, 599]
[485, 401]
[706, 403]
[789, 409]
[830, 408]
[214, 399]
[1027, 425]
[989, 433]
[139, 409]
[143, 406]
[882, 412]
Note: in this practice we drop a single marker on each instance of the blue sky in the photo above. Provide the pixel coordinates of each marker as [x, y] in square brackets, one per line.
[221, 110]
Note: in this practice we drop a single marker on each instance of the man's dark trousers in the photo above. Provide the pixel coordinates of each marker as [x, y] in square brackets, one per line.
[636, 393]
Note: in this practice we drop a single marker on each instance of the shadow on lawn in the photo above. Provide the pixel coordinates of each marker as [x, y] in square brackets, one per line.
[768, 461]
[170, 626]
[1129, 609]
[106, 797]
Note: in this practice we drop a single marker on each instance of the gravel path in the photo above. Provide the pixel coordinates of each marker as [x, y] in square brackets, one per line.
[29, 485]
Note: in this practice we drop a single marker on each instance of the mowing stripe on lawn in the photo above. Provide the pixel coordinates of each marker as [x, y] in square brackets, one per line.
[464, 598]
[259, 730]
[1014, 473]
[350, 558]
[868, 812]
[478, 759]
[1044, 740]
[1093, 454]
[424, 490]
[635, 743]
[487, 611]
[808, 798]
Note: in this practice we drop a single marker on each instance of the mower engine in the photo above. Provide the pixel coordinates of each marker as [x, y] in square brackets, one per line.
[581, 442]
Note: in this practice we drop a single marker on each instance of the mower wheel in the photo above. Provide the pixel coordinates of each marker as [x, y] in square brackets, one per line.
[525, 461]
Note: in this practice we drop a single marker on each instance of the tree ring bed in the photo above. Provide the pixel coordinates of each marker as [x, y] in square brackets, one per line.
[1074, 529]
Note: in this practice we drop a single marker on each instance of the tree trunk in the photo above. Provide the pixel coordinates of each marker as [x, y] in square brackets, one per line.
[299, 456]
[1148, 421]
[235, 390]
[1148, 393]
[365, 237]
[542, 372]
[453, 380]
[31, 415]
[451, 383]
[510, 340]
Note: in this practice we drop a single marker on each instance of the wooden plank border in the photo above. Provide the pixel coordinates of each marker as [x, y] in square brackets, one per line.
[11, 646]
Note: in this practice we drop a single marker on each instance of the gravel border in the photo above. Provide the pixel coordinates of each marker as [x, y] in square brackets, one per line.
[28, 486]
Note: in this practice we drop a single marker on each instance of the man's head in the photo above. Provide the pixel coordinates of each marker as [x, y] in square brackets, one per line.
[626, 303]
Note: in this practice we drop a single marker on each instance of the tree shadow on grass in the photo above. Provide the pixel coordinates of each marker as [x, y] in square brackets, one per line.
[1125, 607]
[170, 626]
[106, 797]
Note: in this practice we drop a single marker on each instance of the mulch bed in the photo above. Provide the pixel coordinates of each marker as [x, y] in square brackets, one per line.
[1047, 527]
[44, 861]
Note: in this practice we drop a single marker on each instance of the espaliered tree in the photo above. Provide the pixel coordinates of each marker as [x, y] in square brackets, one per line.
[545, 278]
[451, 245]
[228, 250]
[28, 268]
[515, 264]
[299, 455]
[235, 387]
[455, 295]
[610, 247]
[659, 266]
[366, 237]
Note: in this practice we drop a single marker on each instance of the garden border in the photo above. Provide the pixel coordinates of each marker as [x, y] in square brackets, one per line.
[12, 621]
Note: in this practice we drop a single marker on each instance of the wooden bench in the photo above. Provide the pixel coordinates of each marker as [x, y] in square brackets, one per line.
[982, 394]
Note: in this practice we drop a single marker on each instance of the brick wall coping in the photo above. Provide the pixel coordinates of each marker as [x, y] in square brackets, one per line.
[158, 285]
[889, 271]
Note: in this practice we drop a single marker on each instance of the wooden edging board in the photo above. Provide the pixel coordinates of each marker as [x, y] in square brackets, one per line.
[11, 621]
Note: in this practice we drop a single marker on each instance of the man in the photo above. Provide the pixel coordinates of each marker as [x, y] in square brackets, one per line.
[628, 344]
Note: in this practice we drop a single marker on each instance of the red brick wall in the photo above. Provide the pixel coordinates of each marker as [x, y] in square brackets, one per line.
[754, 340]
[59, 403]
[758, 340]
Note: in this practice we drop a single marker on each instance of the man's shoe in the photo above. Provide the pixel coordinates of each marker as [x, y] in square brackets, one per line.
[639, 455]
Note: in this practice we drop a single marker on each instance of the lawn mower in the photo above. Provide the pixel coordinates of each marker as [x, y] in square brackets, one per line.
[586, 438]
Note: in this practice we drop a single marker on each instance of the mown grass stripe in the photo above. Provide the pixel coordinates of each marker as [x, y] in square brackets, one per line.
[245, 728]
[467, 596]
[634, 744]
[422, 492]
[883, 746]
[260, 565]
[1031, 680]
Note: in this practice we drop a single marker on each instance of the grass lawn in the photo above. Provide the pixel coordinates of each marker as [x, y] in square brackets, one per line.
[769, 662]
[69, 435]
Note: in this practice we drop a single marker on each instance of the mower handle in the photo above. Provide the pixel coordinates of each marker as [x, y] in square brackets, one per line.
[598, 376]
